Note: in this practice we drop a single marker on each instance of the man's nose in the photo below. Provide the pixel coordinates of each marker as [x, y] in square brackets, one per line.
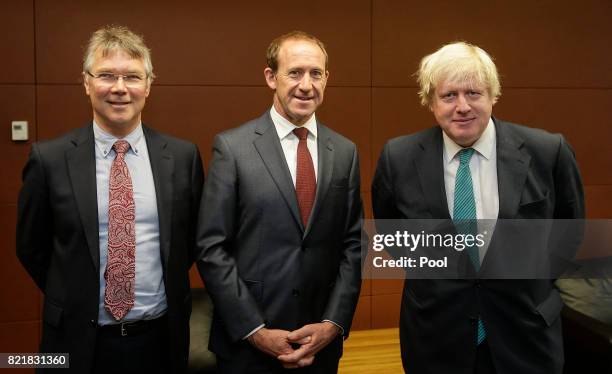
[462, 104]
[119, 85]
[306, 83]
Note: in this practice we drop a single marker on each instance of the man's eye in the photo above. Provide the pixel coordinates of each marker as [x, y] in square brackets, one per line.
[294, 74]
[317, 74]
[449, 95]
[133, 78]
[106, 76]
[474, 93]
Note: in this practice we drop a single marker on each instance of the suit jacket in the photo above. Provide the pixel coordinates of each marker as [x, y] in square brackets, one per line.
[58, 243]
[258, 261]
[537, 178]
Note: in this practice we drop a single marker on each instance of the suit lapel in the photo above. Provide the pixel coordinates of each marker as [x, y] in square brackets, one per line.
[81, 161]
[512, 167]
[429, 165]
[325, 167]
[162, 166]
[269, 148]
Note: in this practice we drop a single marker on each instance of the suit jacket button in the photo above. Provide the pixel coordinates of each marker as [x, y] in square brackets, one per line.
[478, 284]
[93, 323]
[295, 292]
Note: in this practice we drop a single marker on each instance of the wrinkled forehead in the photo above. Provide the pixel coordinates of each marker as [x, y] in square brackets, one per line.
[113, 55]
[300, 49]
[462, 80]
[110, 51]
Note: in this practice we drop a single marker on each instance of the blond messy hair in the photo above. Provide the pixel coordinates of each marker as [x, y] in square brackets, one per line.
[457, 62]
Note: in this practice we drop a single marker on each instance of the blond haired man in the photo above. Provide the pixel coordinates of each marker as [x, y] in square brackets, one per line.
[475, 166]
[106, 224]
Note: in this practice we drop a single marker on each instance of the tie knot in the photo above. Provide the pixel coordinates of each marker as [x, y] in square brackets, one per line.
[465, 155]
[121, 146]
[301, 133]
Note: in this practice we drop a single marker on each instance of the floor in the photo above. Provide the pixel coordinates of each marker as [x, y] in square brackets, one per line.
[372, 351]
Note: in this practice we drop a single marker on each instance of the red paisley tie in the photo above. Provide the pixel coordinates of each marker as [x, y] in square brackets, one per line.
[305, 180]
[121, 268]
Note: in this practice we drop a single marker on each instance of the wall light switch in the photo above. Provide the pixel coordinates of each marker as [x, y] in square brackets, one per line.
[19, 130]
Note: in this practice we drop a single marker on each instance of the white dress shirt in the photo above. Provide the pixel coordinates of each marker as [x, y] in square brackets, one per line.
[483, 169]
[289, 141]
[149, 291]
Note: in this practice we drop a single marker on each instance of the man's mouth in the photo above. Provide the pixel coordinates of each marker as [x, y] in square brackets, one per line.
[304, 98]
[118, 103]
[463, 121]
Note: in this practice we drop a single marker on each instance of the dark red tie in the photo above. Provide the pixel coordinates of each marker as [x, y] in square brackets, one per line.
[305, 180]
[120, 269]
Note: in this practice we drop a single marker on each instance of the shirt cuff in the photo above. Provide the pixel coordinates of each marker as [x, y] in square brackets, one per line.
[340, 327]
[254, 331]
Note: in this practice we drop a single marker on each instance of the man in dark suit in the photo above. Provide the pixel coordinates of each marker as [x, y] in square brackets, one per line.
[106, 225]
[474, 166]
[280, 226]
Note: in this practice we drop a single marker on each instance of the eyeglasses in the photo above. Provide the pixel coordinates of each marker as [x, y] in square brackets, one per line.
[109, 79]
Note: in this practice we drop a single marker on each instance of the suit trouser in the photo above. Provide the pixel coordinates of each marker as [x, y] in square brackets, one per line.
[144, 349]
[484, 361]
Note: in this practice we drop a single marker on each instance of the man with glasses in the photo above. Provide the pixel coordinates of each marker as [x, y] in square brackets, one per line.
[106, 224]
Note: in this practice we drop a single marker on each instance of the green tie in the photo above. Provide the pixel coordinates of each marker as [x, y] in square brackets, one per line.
[464, 213]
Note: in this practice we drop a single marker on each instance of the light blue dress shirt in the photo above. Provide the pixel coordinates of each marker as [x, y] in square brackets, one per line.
[150, 295]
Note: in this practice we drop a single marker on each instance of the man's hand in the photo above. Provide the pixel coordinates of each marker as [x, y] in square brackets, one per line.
[272, 342]
[312, 338]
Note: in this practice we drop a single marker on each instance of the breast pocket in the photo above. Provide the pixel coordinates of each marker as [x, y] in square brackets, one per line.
[535, 204]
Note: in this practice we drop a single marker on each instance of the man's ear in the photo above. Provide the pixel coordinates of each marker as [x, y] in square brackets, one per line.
[270, 78]
[86, 83]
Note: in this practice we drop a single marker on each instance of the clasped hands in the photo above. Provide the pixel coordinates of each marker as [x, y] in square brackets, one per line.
[280, 343]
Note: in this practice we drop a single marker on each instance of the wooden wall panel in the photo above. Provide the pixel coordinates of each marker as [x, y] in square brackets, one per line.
[395, 112]
[346, 110]
[211, 42]
[19, 336]
[598, 202]
[60, 109]
[562, 44]
[17, 46]
[363, 314]
[387, 286]
[385, 311]
[20, 296]
[15, 154]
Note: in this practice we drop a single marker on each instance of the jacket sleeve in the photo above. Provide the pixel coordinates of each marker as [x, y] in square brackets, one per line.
[345, 294]
[216, 232]
[197, 181]
[34, 220]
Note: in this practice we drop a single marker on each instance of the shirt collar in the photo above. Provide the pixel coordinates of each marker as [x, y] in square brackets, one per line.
[284, 127]
[484, 145]
[104, 140]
